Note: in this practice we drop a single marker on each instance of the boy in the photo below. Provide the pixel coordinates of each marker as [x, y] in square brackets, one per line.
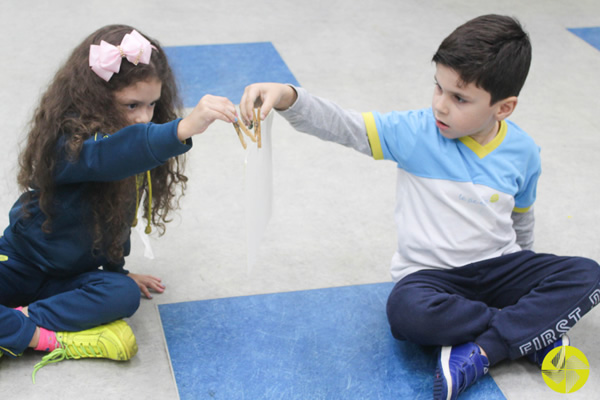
[467, 280]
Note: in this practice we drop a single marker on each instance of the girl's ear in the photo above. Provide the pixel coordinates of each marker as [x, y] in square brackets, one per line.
[506, 107]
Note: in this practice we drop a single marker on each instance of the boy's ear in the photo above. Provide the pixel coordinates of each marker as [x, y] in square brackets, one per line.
[506, 107]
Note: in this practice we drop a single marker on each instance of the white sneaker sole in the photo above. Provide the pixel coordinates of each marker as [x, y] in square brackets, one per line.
[445, 361]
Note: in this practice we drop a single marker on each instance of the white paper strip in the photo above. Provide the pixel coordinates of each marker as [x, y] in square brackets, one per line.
[140, 229]
[259, 191]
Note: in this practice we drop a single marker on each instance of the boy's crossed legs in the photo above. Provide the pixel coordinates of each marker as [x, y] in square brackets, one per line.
[508, 306]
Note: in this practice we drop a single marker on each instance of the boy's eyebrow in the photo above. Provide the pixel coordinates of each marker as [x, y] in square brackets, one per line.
[459, 94]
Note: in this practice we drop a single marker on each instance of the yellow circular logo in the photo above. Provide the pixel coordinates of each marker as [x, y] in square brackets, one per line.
[565, 369]
[494, 198]
[3, 257]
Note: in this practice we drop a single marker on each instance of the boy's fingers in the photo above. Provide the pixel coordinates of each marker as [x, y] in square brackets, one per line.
[255, 96]
[246, 104]
[266, 107]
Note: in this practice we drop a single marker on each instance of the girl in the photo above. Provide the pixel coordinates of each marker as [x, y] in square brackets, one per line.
[105, 134]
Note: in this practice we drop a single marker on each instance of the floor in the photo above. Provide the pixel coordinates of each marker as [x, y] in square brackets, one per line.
[332, 223]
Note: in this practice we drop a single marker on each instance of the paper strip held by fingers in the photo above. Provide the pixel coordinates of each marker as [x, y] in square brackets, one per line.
[258, 191]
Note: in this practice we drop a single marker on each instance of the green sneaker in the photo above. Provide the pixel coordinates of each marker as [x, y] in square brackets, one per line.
[114, 341]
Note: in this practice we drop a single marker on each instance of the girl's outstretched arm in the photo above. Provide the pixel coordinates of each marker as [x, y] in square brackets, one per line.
[209, 109]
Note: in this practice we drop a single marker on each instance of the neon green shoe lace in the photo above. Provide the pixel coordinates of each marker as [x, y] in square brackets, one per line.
[114, 341]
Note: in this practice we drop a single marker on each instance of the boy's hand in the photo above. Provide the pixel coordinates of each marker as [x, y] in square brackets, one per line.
[147, 282]
[208, 110]
[267, 96]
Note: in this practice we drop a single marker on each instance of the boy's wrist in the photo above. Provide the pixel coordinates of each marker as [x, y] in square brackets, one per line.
[288, 98]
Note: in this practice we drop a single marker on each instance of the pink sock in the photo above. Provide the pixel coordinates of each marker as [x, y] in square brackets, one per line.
[47, 341]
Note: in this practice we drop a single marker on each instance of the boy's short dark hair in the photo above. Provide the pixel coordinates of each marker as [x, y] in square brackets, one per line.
[491, 51]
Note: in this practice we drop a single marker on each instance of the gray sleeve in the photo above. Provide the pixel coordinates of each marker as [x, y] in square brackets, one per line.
[328, 121]
[523, 224]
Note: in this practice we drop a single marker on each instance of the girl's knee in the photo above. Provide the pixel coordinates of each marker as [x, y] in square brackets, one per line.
[125, 293]
[131, 297]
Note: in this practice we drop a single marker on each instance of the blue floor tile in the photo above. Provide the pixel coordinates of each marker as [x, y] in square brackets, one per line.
[318, 344]
[226, 69]
[590, 35]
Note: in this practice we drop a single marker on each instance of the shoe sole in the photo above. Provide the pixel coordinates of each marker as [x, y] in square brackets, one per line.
[560, 357]
[445, 361]
[125, 340]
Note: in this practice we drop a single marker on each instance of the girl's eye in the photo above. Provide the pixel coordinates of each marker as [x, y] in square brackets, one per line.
[153, 104]
[460, 99]
[131, 106]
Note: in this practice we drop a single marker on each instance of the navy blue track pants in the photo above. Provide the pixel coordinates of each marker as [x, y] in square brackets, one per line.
[510, 306]
[58, 304]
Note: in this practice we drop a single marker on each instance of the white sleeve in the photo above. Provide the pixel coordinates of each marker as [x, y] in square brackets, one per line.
[328, 121]
[523, 224]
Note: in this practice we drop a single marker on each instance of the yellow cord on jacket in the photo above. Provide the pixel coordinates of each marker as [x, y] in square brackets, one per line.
[139, 182]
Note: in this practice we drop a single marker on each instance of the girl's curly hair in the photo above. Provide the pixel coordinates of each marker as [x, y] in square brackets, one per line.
[76, 105]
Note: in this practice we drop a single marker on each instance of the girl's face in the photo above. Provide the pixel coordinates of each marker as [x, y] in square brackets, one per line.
[137, 101]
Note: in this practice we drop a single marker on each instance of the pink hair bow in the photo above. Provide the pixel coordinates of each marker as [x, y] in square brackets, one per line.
[105, 59]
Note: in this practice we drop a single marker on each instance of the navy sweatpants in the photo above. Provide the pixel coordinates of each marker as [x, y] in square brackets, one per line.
[510, 306]
[57, 304]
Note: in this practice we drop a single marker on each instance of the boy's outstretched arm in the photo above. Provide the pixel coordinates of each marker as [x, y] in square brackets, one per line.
[307, 113]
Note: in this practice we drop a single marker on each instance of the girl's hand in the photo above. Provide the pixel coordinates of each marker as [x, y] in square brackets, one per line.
[147, 283]
[208, 110]
[267, 96]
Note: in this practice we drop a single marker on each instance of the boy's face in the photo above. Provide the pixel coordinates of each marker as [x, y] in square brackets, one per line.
[463, 110]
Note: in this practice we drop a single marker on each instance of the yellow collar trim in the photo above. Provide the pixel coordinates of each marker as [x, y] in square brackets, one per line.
[483, 151]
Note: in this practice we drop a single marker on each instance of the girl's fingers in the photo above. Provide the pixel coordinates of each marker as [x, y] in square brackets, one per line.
[145, 291]
[216, 104]
[223, 109]
[158, 287]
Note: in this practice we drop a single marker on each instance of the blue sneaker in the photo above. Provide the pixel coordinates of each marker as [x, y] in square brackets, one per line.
[458, 368]
[538, 356]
